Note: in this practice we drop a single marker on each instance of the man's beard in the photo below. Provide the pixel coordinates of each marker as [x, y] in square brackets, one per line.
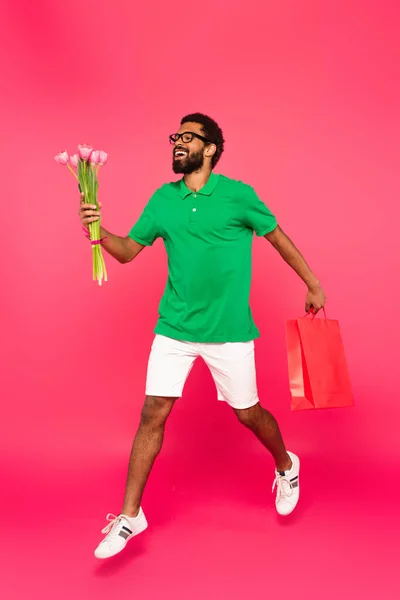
[189, 164]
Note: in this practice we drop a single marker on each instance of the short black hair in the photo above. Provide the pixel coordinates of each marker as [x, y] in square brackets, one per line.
[211, 131]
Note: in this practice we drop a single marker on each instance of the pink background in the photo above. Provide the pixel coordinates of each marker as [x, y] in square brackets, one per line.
[308, 96]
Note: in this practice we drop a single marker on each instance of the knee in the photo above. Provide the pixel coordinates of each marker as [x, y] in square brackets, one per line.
[155, 411]
[249, 417]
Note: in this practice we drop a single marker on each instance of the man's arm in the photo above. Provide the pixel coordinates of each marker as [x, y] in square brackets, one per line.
[315, 297]
[123, 249]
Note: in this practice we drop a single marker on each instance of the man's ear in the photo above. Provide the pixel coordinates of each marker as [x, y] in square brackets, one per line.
[211, 150]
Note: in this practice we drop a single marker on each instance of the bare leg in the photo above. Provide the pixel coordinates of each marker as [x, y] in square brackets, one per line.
[146, 446]
[265, 427]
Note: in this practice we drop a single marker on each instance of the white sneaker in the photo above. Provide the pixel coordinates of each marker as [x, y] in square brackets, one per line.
[119, 531]
[287, 487]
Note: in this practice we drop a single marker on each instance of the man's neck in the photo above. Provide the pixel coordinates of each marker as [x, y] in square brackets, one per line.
[195, 181]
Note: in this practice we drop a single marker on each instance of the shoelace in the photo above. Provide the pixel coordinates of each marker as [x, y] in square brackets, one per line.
[283, 485]
[114, 520]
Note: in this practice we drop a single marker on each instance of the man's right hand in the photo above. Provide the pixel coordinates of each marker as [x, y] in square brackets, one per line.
[123, 249]
[88, 213]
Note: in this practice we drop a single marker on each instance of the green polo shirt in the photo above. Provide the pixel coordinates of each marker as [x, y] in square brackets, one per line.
[208, 238]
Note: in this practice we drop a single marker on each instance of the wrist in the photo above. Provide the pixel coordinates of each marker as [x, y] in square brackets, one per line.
[313, 285]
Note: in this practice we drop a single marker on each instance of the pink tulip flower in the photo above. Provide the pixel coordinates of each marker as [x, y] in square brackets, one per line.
[85, 151]
[102, 157]
[73, 161]
[95, 157]
[62, 158]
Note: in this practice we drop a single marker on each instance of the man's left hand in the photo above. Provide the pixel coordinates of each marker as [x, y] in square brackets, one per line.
[315, 299]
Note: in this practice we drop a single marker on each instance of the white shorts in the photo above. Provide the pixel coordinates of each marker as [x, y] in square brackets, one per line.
[231, 364]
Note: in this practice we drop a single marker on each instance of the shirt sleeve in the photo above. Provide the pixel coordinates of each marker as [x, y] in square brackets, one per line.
[145, 231]
[257, 215]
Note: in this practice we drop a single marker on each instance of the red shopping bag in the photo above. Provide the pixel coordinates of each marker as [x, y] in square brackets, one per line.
[318, 372]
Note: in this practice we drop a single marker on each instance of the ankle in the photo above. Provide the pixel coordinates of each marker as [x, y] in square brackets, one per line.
[284, 465]
[131, 512]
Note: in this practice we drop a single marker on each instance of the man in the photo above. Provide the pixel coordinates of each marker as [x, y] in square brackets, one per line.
[207, 223]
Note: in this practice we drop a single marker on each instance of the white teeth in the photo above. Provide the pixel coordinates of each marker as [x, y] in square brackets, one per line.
[180, 153]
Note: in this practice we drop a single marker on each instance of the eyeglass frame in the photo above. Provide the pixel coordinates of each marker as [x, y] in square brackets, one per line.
[192, 133]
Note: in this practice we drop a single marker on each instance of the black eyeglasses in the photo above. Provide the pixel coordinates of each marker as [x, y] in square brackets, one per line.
[187, 137]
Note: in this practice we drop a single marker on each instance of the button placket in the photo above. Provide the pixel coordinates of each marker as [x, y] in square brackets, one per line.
[193, 212]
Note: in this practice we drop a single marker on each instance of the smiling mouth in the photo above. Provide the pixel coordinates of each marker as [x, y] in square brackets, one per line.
[180, 153]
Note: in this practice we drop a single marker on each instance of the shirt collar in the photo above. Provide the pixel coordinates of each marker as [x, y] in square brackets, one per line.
[206, 190]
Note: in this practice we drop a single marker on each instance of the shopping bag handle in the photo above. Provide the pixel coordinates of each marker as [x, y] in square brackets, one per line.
[311, 312]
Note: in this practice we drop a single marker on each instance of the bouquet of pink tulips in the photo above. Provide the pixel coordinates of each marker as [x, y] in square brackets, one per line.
[85, 167]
